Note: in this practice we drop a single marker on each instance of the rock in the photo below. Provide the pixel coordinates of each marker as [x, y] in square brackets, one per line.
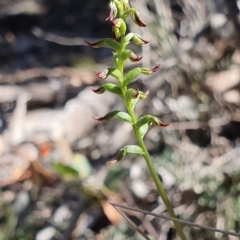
[135, 171]
[218, 20]
[140, 189]
[232, 96]
[72, 122]
[168, 178]
[21, 202]
[46, 234]
[61, 215]
[184, 107]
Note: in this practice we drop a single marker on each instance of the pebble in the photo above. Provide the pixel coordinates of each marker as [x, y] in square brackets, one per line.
[46, 233]
[140, 189]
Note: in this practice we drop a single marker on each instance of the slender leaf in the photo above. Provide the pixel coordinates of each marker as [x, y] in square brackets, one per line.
[64, 169]
[131, 75]
[112, 44]
[134, 149]
[143, 130]
[116, 114]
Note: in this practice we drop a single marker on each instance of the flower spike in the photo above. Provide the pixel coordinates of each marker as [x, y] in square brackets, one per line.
[119, 10]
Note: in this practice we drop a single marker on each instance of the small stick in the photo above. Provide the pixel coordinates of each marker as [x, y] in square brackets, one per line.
[177, 220]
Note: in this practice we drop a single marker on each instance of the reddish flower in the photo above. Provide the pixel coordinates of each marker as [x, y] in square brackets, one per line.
[113, 12]
[116, 33]
[99, 90]
[162, 124]
[115, 23]
[158, 123]
[155, 68]
[143, 95]
[102, 75]
[119, 26]
[137, 20]
[97, 44]
[134, 58]
[138, 40]
[125, 4]
[135, 94]
[150, 71]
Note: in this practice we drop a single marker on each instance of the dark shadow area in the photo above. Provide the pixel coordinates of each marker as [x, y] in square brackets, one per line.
[21, 49]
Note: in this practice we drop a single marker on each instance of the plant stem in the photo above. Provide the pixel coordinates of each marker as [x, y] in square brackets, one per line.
[154, 175]
[160, 188]
[140, 141]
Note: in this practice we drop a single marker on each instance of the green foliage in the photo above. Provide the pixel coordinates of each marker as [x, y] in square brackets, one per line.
[114, 177]
[64, 170]
[131, 75]
[79, 167]
[8, 226]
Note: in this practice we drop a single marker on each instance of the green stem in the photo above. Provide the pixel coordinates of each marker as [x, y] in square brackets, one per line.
[154, 175]
[140, 141]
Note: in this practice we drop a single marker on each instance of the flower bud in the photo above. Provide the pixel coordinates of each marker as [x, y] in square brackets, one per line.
[120, 25]
[138, 40]
[137, 20]
[150, 120]
[128, 54]
[125, 4]
[132, 149]
[134, 58]
[128, 38]
[103, 75]
[120, 156]
[114, 72]
[149, 71]
[110, 87]
[99, 90]
[131, 94]
[143, 95]
[113, 11]
[119, 5]
[159, 124]
[116, 33]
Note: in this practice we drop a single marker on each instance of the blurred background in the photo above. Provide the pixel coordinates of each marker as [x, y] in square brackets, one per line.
[55, 184]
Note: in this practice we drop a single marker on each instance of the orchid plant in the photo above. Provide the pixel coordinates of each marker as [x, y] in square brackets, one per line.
[119, 11]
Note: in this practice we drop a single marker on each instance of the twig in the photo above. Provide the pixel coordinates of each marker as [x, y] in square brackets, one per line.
[233, 15]
[74, 219]
[132, 224]
[146, 223]
[177, 220]
[221, 161]
[76, 41]
[218, 122]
